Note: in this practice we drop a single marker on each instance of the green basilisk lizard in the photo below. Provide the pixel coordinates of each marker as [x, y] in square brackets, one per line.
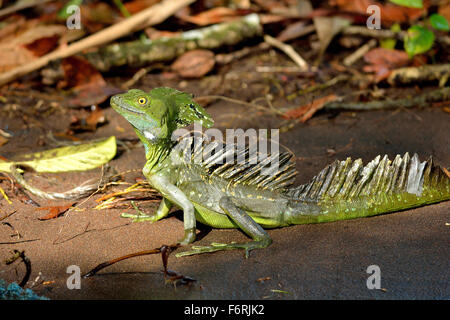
[192, 174]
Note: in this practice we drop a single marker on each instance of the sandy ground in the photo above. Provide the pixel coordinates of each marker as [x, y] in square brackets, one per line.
[323, 261]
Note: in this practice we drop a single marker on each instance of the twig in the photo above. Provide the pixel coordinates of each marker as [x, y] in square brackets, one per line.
[283, 69]
[150, 16]
[141, 53]
[19, 241]
[87, 230]
[131, 255]
[17, 233]
[321, 86]
[418, 100]
[86, 188]
[7, 215]
[422, 73]
[20, 5]
[225, 58]
[348, 61]
[237, 101]
[287, 49]
[26, 261]
[386, 34]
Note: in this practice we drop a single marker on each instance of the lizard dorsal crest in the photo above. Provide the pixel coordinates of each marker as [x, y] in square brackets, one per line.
[239, 165]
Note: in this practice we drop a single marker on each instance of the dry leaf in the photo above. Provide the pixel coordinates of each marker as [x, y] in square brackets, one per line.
[389, 12]
[13, 51]
[327, 28]
[215, 15]
[138, 5]
[303, 113]
[95, 118]
[292, 31]
[444, 10]
[87, 83]
[43, 46]
[54, 211]
[194, 64]
[382, 61]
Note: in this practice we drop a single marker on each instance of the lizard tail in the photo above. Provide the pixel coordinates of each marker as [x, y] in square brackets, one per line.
[347, 189]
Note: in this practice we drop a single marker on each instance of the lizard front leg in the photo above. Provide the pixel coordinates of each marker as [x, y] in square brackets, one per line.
[176, 196]
[163, 211]
[260, 237]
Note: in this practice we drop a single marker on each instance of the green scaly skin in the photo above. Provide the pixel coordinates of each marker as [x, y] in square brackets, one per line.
[343, 190]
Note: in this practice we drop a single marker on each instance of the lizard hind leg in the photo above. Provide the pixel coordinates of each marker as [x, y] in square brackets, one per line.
[260, 237]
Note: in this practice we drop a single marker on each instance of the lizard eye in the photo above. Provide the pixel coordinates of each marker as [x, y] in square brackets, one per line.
[142, 100]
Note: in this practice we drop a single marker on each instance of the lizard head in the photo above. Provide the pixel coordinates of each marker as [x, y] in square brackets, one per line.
[156, 114]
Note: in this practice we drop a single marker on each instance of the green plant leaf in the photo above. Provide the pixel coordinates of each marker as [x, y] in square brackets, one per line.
[439, 22]
[418, 40]
[71, 158]
[63, 14]
[390, 42]
[408, 3]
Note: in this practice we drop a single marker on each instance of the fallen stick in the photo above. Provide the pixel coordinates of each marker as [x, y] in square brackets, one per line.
[422, 73]
[386, 34]
[320, 86]
[288, 50]
[150, 16]
[165, 251]
[140, 53]
[438, 95]
[349, 60]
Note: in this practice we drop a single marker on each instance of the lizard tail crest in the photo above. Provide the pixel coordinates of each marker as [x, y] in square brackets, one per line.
[347, 189]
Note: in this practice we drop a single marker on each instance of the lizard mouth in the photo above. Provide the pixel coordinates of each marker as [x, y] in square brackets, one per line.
[117, 102]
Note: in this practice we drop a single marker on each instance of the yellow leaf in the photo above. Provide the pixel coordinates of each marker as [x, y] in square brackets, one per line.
[70, 158]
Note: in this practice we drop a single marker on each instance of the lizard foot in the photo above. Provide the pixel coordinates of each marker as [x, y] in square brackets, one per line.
[141, 216]
[247, 246]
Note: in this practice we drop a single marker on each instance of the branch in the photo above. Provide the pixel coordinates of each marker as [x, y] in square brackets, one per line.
[138, 53]
[438, 95]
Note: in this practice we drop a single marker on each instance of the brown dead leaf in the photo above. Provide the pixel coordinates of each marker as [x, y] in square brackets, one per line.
[382, 61]
[389, 12]
[138, 5]
[87, 84]
[42, 46]
[54, 211]
[444, 10]
[194, 64]
[95, 118]
[304, 113]
[327, 28]
[292, 31]
[13, 51]
[215, 15]
[78, 72]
